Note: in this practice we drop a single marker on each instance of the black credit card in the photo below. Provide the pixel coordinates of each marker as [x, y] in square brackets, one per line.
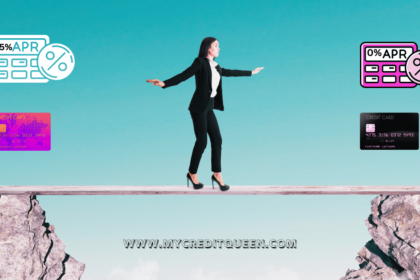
[389, 131]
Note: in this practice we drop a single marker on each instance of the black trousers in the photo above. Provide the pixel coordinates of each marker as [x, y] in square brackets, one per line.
[204, 123]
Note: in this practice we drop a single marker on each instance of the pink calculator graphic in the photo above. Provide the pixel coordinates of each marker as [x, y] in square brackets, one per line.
[382, 64]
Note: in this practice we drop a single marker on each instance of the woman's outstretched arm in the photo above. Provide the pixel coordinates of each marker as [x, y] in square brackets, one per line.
[235, 73]
[188, 73]
[239, 73]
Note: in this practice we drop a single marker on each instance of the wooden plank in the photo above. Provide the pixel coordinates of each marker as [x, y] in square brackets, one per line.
[207, 190]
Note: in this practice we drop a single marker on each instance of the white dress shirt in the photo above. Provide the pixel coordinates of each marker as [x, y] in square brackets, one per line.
[215, 77]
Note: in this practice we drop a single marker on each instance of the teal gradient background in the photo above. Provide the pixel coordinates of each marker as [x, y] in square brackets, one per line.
[294, 123]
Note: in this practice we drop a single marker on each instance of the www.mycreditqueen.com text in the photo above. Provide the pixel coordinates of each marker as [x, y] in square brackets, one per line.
[209, 244]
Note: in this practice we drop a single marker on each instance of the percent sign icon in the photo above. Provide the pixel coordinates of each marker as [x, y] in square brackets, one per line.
[55, 61]
[413, 67]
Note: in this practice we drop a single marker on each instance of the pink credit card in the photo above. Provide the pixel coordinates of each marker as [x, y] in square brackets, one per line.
[25, 131]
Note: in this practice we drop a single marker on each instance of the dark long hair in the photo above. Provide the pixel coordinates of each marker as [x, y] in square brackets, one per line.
[205, 46]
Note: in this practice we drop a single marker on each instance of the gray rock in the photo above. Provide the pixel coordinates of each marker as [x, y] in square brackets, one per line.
[29, 247]
[393, 253]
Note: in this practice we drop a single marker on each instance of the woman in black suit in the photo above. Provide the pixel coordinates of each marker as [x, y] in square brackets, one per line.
[207, 96]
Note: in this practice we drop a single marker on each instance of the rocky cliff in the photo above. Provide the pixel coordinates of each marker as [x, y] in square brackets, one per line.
[29, 248]
[393, 252]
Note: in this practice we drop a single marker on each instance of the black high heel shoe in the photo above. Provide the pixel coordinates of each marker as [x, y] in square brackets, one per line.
[222, 188]
[196, 186]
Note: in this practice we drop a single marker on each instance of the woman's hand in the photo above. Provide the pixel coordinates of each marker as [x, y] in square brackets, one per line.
[156, 82]
[257, 70]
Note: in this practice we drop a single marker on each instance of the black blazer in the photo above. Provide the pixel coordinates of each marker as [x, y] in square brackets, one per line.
[201, 69]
